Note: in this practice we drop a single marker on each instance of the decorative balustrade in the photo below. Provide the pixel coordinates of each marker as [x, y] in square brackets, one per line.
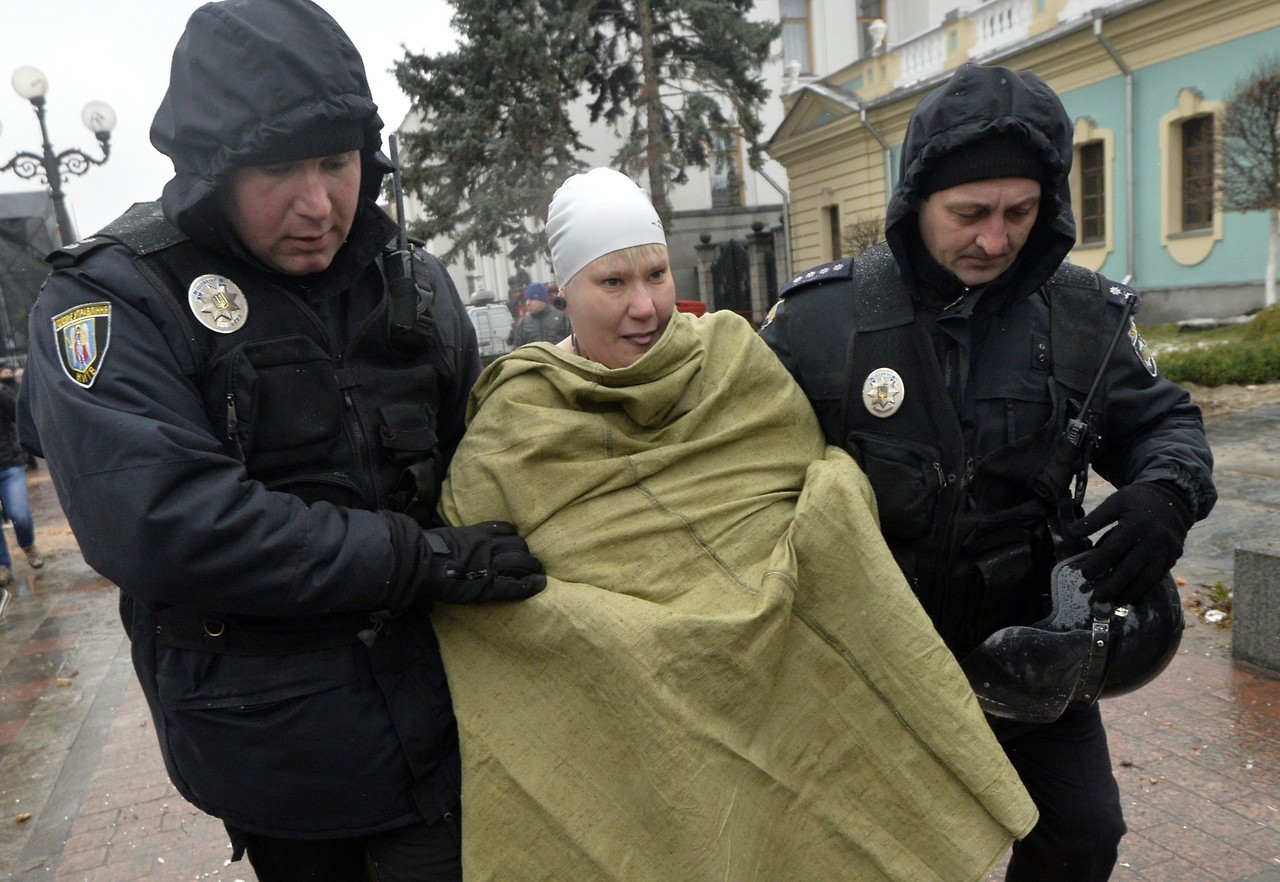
[999, 24]
[921, 57]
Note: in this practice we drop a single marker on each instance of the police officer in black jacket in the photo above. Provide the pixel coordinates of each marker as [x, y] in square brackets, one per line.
[948, 361]
[248, 403]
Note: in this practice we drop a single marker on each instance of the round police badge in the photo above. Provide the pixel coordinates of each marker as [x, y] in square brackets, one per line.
[218, 303]
[882, 392]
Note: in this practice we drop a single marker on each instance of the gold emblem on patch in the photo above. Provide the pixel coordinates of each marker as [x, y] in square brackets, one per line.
[882, 392]
[1141, 349]
[218, 303]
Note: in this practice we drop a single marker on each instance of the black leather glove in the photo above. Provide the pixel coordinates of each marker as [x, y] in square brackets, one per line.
[476, 564]
[480, 563]
[1151, 522]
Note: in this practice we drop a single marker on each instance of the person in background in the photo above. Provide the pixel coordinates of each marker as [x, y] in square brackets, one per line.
[247, 400]
[948, 361]
[542, 322]
[515, 303]
[13, 482]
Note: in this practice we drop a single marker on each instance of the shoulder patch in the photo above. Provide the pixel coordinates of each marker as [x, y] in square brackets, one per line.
[81, 337]
[772, 314]
[836, 269]
[1141, 349]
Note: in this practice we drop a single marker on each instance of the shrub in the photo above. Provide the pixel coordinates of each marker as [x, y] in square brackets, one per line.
[1257, 361]
[1265, 324]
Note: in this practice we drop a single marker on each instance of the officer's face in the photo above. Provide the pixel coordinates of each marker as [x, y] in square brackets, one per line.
[976, 230]
[620, 304]
[294, 216]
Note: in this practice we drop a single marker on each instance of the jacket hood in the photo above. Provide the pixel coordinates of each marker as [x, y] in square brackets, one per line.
[247, 74]
[976, 103]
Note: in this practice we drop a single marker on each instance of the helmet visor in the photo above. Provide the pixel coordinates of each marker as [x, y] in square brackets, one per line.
[1027, 674]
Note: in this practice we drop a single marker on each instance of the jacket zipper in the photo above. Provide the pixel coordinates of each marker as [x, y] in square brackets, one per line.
[362, 451]
[233, 426]
[959, 486]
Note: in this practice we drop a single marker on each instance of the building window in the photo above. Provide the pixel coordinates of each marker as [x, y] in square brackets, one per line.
[1093, 193]
[1190, 220]
[1197, 173]
[795, 34]
[833, 231]
[726, 172]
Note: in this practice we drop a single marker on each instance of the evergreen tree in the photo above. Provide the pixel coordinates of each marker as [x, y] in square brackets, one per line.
[673, 79]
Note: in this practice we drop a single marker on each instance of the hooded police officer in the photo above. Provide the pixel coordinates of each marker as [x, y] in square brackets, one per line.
[248, 404]
[949, 361]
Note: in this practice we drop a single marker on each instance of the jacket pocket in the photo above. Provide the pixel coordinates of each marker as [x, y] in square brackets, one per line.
[298, 744]
[278, 403]
[408, 436]
[907, 479]
[190, 679]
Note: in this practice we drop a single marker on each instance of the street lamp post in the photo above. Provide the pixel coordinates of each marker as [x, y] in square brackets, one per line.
[97, 116]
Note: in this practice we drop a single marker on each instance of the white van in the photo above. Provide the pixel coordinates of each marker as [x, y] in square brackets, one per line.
[493, 326]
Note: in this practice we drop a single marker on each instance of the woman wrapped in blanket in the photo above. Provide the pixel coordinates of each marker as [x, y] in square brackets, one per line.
[727, 677]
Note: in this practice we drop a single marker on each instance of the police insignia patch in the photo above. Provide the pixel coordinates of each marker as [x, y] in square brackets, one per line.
[1144, 354]
[773, 311]
[81, 335]
[882, 392]
[218, 303]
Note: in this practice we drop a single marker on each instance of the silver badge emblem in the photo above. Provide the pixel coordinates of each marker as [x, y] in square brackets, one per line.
[882, 392]
[218, 303]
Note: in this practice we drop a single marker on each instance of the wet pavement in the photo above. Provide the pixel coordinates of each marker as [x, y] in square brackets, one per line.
[84, 796]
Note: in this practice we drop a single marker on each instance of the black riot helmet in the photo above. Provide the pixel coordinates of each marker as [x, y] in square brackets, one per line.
[1078, 653]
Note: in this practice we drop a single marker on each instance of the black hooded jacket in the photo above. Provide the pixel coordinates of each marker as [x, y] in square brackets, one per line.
[252, 575]
[986, 377]
[978, 103]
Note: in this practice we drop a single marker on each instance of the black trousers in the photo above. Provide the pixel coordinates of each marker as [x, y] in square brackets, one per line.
[423, 852]
[1066, 767]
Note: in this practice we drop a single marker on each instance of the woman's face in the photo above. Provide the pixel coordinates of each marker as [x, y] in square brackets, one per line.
[620, 304]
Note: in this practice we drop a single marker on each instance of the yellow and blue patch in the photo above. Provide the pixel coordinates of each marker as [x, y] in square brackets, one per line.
[81, 337]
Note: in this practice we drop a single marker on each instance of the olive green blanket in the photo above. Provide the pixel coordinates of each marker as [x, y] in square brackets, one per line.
[727, 676]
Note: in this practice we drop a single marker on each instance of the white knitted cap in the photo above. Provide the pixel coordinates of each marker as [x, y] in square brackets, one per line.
[597, 213]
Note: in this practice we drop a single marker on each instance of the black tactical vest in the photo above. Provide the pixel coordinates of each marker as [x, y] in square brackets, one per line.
[354, 428]
[969, 533]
